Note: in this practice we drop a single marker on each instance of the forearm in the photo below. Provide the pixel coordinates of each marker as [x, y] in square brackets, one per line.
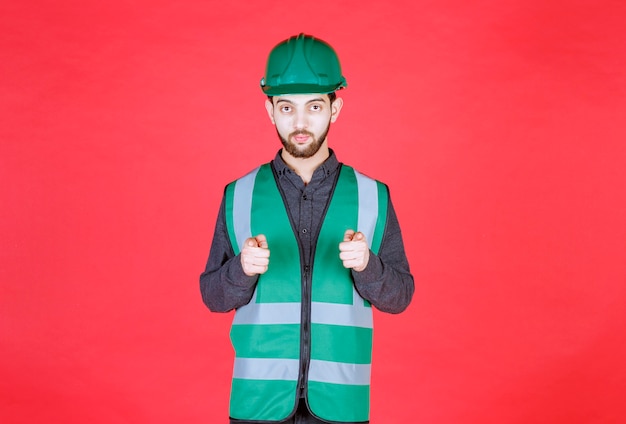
[223, 285]
[386, 282]
[226, 287]
[386, 287]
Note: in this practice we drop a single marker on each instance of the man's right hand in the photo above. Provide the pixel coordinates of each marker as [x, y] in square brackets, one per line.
[255, 255]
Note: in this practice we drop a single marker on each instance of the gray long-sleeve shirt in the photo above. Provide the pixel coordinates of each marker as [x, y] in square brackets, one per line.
[386, 281]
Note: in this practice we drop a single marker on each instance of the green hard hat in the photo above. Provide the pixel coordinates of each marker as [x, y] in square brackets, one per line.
[302, 64]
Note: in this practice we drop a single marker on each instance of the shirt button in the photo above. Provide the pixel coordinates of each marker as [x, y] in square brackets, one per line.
[304, 197]
[304, 231]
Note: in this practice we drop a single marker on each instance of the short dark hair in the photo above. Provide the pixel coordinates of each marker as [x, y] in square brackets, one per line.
[332, 96]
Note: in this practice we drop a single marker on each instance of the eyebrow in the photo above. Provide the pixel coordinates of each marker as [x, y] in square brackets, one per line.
[318, 99]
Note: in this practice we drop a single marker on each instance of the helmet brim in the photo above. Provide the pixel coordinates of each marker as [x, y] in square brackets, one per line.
[300, 89]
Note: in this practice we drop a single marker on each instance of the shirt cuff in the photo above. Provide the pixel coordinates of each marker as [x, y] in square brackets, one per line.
[372, 273]
[237, 277]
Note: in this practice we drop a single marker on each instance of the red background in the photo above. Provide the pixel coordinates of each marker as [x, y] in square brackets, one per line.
[499, 126]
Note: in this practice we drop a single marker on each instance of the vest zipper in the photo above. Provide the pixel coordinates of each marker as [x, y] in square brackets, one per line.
[305, 316]
[305, 354]
[305, 325]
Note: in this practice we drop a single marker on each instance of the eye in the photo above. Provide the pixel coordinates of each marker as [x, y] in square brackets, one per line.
[316, 107]
[285, 109]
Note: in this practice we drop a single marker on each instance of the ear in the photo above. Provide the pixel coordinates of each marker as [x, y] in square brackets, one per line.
[335, 108]
[269, 106]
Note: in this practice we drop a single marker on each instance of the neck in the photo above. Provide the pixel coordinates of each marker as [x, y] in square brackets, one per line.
[305, 167]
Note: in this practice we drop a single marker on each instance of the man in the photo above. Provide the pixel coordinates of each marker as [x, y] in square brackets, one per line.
[302, 330]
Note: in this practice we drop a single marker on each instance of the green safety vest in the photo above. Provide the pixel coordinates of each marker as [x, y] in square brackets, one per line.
[266, 332]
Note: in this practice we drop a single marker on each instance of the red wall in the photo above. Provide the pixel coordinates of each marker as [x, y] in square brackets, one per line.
[499, 126]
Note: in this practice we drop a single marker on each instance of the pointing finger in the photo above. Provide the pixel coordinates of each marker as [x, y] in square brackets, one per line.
[358, 236]
[262, 241]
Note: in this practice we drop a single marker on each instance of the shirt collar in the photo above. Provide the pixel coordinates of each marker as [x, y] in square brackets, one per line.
[328, 167]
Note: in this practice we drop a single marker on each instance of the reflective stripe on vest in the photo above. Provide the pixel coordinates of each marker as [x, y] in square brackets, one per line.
[266, 331]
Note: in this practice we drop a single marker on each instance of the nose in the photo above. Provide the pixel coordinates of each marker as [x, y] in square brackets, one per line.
[301, 121]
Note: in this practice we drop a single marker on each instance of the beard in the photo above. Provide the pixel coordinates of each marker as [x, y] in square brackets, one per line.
[303, 152]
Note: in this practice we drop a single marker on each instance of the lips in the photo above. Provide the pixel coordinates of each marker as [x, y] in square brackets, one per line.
[301, 137]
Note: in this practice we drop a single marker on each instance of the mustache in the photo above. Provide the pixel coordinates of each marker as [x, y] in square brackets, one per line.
[301, 132]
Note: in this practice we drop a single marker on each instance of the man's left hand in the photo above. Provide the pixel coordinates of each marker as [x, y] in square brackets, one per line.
[353, 251]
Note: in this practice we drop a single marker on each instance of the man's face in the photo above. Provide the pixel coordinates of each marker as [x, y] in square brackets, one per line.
[302, 121]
